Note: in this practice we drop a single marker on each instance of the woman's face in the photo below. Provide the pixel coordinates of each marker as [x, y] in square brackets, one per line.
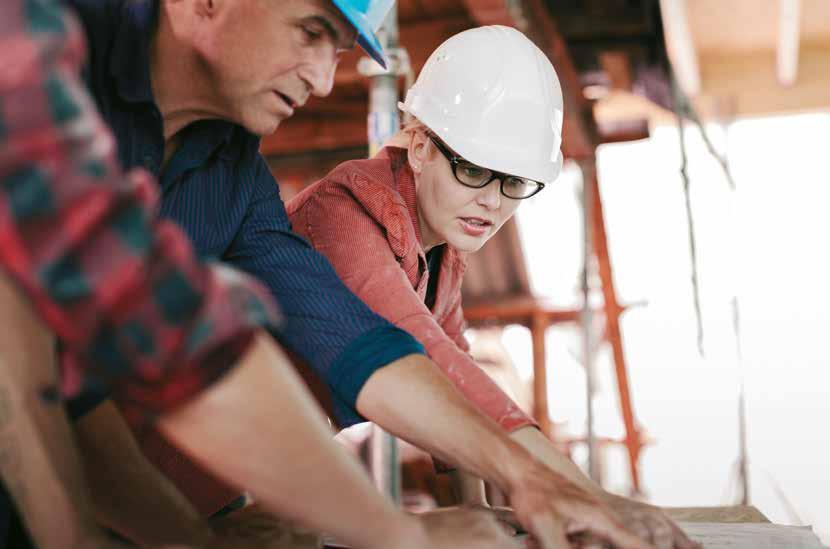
[449, 212]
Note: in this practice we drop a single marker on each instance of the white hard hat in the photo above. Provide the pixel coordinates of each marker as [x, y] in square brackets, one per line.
[494, 98]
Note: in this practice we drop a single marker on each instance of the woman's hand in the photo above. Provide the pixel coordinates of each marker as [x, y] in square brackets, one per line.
[650, 523]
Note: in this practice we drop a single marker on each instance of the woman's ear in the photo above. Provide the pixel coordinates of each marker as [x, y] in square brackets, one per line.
[418, 151]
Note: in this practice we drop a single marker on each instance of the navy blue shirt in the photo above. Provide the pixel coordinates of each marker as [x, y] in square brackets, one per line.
[218, 188]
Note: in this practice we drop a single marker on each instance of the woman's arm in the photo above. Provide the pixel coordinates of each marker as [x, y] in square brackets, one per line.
[357, 246]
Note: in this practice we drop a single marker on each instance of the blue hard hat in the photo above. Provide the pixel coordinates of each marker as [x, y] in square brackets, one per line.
[367, 16]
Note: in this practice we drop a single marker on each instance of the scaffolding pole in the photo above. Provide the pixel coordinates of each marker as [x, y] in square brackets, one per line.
[382, 123]
[588, 168]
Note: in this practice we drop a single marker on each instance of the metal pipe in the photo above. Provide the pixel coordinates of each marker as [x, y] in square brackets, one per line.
[588, 168]
[382, 123]
[383, 120]
[385, 464]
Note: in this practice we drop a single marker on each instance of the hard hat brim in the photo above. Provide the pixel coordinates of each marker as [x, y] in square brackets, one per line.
[366, 37]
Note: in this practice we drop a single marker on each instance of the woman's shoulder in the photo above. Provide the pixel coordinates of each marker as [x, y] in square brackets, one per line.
[356, 196]
[368, 183]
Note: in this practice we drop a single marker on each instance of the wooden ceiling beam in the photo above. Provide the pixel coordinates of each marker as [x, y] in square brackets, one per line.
[580, 135]
[315, 133]
[489, 12]
[617, 66]
[419, 38]
[325, 124]
[624, 130]
[411, 11]
[325, 132]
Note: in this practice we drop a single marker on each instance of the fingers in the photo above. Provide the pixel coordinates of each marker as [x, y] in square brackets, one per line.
[662, 535]
[587, 541]
[602, 525]
[549, 532]
[682, 541]
[467, 528]
[665, 534]
[507, 516]
[639, 528]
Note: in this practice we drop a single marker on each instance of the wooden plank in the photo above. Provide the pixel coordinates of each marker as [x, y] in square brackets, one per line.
[613, 310]
[751, 536]
[541, 411]
[731, 513]
[520, 310]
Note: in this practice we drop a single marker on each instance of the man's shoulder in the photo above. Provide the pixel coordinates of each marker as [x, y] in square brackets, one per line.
[100, 20]
[98, 16]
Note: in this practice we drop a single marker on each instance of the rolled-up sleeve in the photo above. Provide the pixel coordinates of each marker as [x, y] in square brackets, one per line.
[331, 329]
[124, 293]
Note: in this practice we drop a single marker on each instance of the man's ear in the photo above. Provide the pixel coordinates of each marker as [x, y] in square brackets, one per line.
[418, 152]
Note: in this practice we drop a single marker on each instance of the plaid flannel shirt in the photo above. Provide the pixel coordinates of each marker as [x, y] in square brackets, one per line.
[123, 292]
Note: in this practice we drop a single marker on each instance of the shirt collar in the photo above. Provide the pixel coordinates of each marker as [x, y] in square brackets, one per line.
[404, 182]
[130, 57]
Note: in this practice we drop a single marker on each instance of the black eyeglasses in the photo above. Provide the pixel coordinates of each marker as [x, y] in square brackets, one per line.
[470, 175]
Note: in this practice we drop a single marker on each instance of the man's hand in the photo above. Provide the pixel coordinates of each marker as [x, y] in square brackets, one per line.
[650, 523]
[552, 508]
[254, 528]
[95, 538]
[465, 527]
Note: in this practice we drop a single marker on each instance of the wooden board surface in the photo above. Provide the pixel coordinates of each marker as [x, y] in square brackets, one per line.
[728, 514]
[735, 527]
[751, 536]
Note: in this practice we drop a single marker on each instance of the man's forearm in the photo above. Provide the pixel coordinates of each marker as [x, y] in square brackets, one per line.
[38, 459]
[130, 495]
[471, 490]
[259, 429]
[542, 449]
[413, 400]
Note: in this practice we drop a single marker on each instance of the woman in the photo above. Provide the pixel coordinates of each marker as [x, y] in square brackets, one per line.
[485, 135]
[397, 227]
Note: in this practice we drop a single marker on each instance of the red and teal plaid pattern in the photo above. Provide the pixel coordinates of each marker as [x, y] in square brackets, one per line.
[121, 289]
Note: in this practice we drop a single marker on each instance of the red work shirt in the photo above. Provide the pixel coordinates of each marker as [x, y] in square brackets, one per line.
[363, 217]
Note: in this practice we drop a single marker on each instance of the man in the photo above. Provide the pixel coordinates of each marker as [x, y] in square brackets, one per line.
[188, 86]
[83, 259]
